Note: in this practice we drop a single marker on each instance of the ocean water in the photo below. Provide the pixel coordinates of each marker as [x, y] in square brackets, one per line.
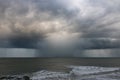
[61, 68]
[76, 73]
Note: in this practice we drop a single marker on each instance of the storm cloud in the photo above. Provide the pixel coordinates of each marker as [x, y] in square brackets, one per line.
[65, 27]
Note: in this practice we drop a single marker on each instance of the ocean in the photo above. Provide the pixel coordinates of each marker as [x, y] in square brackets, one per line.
[29, 65]
[60, 68]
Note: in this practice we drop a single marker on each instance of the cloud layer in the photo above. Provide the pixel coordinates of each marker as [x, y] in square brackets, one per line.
[60, 26]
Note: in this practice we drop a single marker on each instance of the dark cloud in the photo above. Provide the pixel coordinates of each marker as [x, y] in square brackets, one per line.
[24, 41]
[91, 43]
[58, 26]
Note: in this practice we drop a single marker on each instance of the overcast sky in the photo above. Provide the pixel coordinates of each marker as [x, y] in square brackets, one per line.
[58, 28]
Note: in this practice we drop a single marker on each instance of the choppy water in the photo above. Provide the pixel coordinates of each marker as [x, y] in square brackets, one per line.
[62, 68]
[25, 65]
[76, 73]
[80, 73]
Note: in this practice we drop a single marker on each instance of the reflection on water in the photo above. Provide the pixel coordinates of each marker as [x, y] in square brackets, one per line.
[24, 65]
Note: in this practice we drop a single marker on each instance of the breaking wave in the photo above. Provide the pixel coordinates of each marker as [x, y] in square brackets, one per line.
[76, 73]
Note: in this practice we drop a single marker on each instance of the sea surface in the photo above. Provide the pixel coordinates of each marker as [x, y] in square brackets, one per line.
[29, 65]
[61, 68]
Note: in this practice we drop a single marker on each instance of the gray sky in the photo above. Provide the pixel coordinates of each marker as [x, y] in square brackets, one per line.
[55, 28]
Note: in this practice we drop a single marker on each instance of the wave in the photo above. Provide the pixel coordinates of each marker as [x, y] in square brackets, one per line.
[76, 73]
